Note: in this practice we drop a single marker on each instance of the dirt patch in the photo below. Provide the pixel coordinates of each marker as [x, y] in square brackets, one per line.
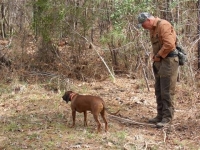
[33, 118]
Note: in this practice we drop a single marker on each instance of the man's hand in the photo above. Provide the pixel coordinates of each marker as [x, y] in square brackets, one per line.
[156, 57]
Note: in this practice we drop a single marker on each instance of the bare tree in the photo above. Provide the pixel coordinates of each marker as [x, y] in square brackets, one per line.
[198, 31]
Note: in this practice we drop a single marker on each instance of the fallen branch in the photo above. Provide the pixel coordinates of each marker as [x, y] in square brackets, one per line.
[125, 120]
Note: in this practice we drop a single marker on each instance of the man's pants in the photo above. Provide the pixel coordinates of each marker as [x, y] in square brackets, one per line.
[165, 73]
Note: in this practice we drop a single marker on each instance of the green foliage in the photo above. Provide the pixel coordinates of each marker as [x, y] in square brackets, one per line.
[48, 18]
[125, 10]
[174, 4]
[115, 37]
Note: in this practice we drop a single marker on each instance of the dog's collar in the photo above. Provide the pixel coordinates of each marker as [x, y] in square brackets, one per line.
[72, 95]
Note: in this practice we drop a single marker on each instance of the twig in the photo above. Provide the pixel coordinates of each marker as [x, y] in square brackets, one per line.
[196, 137]
[165, 135]
[146, 145]
[127, 144]
[94, 47]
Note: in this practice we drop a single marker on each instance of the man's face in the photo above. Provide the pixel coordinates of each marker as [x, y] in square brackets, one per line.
[147, 24]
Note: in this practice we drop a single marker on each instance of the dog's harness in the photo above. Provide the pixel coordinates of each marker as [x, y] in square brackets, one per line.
[72, 95]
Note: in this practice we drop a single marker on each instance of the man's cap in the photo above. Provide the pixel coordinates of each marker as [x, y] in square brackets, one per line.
[142, 17]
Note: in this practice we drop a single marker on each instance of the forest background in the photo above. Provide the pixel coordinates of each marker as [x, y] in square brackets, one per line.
[90, 40]
[77, 44]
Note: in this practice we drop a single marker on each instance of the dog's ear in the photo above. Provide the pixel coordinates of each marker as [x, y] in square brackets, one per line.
[66, 96]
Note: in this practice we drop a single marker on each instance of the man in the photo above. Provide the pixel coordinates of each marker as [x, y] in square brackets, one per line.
[165, 65]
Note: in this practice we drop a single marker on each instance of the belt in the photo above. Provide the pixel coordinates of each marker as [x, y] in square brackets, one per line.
[173, 53]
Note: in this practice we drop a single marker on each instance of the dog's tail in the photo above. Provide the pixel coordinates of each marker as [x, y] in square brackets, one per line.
[112, 113]
[107, 110]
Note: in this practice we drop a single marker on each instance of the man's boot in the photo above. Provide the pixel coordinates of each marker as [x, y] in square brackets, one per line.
[155, 120]
[165, 122]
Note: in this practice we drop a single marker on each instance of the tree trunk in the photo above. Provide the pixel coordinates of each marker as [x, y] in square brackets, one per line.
[3, 26]
[198, 28]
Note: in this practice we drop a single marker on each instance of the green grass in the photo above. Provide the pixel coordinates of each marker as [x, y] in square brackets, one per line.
[12, 127]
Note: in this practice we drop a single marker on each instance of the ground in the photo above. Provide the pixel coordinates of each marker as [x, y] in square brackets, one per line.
[34, 118]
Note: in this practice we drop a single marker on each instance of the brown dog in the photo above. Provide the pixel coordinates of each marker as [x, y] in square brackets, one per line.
[84, 103]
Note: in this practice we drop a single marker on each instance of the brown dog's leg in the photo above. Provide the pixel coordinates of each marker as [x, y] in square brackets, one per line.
[105, 120]
[73, 117]
[85, 118]
[96, 118]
